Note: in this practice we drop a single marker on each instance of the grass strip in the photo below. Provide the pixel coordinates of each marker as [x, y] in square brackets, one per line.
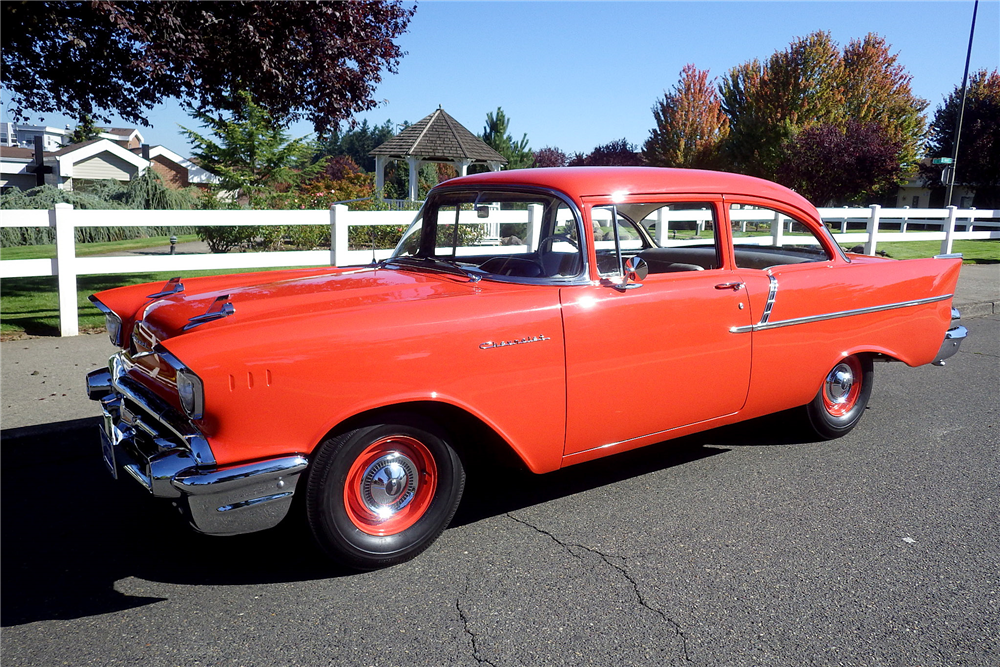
[48, 251]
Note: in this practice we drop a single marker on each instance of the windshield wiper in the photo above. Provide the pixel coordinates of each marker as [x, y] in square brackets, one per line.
[432, 264]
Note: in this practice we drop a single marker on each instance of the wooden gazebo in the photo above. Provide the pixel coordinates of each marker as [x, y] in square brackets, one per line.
[436, 138]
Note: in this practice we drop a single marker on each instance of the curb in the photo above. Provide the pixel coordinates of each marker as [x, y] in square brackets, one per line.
[980, 309]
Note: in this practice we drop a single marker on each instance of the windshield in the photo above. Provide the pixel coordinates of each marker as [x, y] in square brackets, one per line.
[509, 235]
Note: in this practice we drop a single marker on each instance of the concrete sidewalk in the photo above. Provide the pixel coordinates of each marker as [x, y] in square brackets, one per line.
[42, 380]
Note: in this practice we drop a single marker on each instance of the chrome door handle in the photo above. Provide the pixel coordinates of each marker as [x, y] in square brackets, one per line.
[735, 286]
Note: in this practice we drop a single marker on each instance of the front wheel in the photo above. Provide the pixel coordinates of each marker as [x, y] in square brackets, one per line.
[379, 495]
[840, 402]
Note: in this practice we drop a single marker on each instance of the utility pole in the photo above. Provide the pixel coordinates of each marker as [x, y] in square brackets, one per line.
[961, 110]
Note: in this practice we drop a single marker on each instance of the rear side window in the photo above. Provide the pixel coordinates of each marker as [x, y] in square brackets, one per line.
[764, 237]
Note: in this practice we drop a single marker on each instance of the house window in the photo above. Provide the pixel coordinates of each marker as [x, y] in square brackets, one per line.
[966, 202]
[915, 202]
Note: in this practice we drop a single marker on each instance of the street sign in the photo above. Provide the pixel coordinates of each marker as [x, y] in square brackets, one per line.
[942, 160]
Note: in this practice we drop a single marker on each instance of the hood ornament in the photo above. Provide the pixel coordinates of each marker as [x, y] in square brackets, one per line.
[172, 286]
[220, 308]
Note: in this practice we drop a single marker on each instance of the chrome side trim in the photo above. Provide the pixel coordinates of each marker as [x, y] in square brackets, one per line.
[764, 326]
[772, 292]
[952, 255]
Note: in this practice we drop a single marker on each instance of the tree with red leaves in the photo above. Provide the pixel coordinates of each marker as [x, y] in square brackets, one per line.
[318, 61]
[830, 165]
[690, 124]
[619, 153]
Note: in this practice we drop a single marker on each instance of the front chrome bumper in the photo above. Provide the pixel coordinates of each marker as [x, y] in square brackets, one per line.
[158, 447]
[952, 340]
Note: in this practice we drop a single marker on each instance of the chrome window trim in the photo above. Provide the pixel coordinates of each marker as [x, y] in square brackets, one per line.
[582, 278]
[772, 293]
[764, 326]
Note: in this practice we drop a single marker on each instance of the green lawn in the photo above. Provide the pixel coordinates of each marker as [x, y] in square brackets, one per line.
[973, 252]
[88, 249]
[31, 305]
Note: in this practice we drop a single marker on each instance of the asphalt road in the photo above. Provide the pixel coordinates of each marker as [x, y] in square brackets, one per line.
[742, 546]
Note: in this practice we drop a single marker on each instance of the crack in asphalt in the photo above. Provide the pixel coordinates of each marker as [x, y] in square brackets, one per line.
[621, 570]
[465, 626]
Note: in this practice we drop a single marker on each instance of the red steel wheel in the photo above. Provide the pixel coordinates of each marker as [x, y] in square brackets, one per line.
[842, 398]
[381, 493]
[390, 485]
[842, 387]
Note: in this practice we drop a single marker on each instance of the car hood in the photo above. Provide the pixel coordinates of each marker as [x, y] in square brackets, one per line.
[200, 311]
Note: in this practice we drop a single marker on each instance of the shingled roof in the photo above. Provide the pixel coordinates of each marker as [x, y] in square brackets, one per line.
[438, 138]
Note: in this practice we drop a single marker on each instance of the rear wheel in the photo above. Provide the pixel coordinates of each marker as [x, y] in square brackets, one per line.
[381, 494]
[841, 401]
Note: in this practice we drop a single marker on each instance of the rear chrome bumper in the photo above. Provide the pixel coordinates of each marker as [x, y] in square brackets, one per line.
[952, 340]
[158, 447]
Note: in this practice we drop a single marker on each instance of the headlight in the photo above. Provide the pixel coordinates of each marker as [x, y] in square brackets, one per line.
[112, 322]
[191, 393]
[190, 390]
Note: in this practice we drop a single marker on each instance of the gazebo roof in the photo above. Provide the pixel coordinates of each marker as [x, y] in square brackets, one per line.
[438, 138]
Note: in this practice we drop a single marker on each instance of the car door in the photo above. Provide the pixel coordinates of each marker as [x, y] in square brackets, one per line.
[650, 359]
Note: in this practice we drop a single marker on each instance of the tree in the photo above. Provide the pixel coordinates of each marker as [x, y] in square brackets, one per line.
[978, 163]
[690, 124]
[830, 165]
[318, 61]
[358, 142]
[495, 135]
[252, 154]
[85, 130]
[619, 153]
[767, 102]
[550, 157]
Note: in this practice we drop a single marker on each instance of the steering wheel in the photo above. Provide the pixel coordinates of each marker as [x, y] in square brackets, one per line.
[558, 237]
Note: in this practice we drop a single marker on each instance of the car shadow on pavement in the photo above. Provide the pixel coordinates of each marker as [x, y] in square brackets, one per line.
[71, 535]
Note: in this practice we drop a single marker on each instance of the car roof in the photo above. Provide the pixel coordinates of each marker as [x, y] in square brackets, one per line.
[604, 181]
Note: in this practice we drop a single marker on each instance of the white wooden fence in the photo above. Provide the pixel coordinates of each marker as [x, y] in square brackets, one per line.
[67, 266]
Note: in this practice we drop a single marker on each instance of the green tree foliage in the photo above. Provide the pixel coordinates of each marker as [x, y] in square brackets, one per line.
[85, 130]
[495, 135]
[690, 125]
[253, 155]
[978, 163]
[814, 84]
[318, 61]
[358, 142]
[766, 102]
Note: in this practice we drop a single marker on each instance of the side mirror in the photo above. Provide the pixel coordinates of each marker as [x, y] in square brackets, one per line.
[482, 211]
[636, 270]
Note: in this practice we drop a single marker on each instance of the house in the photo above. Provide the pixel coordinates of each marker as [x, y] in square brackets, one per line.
[918, 193]
[117, 154]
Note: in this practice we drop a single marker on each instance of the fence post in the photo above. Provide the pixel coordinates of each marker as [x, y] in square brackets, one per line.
[61, 217]
[777, 230]
[949, 230]
[906, 217]
[535, 214]
[661, 227]
[843, 222]
[338, 235]
[873, 220]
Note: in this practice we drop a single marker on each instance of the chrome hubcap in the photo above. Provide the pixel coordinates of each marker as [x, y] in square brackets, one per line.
[839, 383]
[389, 484]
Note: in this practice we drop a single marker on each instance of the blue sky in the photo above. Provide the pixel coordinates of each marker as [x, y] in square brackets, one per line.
[579, 74]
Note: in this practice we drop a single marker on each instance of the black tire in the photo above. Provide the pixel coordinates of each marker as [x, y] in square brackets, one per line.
[843, 397]
[380, 494]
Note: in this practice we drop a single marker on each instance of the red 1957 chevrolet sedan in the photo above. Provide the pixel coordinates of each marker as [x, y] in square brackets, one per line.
[511, 305]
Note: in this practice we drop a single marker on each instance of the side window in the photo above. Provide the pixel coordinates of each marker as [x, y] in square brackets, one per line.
[765, 237]
[685, 232]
